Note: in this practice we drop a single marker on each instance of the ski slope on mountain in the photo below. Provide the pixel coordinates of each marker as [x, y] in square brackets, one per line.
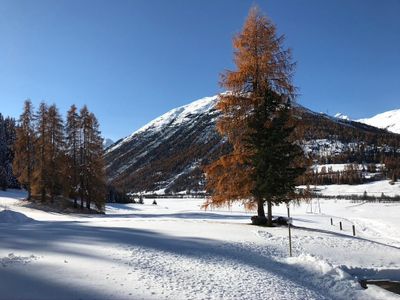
[175, 250]
[389, 120]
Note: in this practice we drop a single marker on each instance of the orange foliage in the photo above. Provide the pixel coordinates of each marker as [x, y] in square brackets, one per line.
[262, 65]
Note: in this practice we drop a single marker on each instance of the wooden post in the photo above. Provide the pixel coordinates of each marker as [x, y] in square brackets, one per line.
[340, 225]
[331, 221]
[354, 230]
[290, 233]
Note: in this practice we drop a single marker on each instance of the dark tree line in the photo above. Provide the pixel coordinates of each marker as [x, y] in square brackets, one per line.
[55, 158]
[7, 139]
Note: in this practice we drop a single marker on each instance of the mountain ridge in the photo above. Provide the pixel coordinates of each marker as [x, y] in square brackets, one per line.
[389, 120]
[168, 153]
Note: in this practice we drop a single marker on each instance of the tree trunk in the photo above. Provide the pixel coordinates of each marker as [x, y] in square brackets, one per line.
[28, 187]
[260, 207]
[269, 219]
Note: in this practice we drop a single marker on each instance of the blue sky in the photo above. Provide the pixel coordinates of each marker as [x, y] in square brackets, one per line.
[132, 60]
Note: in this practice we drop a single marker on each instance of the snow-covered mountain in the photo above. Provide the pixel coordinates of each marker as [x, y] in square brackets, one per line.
[168, 153]
[173, 118]
[107, 143]
[389, 120]
[342, 116]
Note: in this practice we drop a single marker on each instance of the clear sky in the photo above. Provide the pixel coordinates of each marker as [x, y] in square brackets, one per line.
[132, 60]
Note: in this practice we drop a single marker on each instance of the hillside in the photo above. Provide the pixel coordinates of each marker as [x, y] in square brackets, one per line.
[168, 151]
[167, 154]
[389, 120]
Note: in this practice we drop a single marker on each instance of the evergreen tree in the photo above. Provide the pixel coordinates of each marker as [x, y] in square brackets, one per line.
[277, 160]
[24, 153]
[3, 154]
[10, 129]
[263, 66]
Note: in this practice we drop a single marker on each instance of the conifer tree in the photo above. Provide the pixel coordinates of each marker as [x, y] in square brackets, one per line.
[96, 178]
[40, 174]
[55, 152]
[263, 66]
[84, 127]
[23, 163]
[3, 154]
[72, 151]
[92, 175]
[10, 129]
[277, 160]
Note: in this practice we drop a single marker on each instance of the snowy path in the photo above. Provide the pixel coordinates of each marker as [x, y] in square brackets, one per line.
[176, 251]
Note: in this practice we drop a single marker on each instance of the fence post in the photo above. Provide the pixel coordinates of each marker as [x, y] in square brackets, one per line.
[354, 230]
[340, 224]
[290, 234]
[331, 221]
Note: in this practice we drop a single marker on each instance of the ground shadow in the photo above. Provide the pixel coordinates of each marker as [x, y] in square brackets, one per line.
[48, 236]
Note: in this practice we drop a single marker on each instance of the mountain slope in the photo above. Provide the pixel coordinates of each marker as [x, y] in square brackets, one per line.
[107, 143]
[168, 153]
[389, 120]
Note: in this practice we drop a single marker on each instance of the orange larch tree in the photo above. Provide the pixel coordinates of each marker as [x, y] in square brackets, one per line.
[262, 65]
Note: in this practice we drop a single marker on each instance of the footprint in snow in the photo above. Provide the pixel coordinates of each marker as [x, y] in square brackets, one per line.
[264, 234]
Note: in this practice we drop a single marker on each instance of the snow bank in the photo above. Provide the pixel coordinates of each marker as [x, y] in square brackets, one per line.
[338, 282]
[13, 217]
[323, 274]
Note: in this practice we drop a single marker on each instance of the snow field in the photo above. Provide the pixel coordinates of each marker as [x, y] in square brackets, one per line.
[175, 250]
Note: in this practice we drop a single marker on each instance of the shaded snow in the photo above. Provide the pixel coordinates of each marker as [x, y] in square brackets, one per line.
[13, 217]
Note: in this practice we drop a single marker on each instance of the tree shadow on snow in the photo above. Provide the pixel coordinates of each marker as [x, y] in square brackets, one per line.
[75, 238]
[181, 215]
[17, 283]
[342, 235]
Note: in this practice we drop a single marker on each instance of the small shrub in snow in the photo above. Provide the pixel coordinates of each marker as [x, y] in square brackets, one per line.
[141, 200]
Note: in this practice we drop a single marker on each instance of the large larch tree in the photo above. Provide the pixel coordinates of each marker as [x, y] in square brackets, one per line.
[263, 66]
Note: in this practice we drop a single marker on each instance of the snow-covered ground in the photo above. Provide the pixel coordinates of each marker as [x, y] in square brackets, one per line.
[176, 250]
[375, 188]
